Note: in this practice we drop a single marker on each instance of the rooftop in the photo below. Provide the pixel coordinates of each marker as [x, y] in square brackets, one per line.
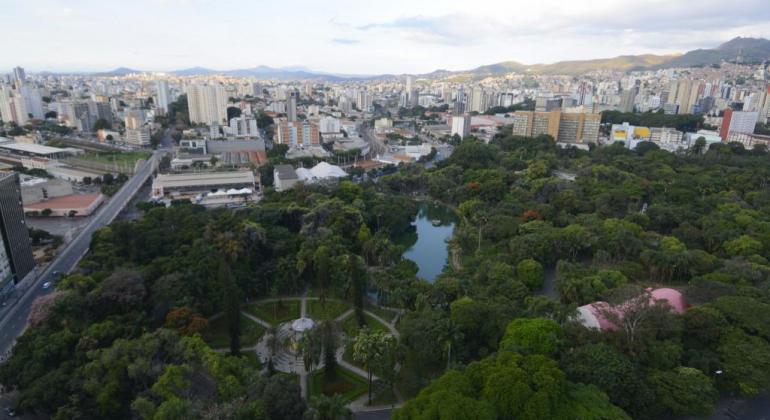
[285, 172]
[32, 148]
[73, 201]
[204, 179]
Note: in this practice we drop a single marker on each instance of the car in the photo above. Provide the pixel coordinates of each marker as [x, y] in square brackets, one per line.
[46, 285]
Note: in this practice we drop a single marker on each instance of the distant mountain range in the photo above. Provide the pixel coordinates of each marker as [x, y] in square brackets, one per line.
[750, 50]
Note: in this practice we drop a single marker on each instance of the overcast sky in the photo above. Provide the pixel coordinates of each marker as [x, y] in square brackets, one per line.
[358, 36]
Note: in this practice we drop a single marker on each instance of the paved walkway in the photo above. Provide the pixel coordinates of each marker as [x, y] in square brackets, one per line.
[287, 361]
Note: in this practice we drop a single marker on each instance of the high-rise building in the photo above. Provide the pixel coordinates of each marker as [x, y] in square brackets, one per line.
[33, 101]
[563, 127]
[298, 133]
[162, 104]
[291, 106]
[476, 100]
[19, 77]
[363, 100]
[16, 260]
[207, 104]
[330, 125]
[461, 125]
[737, 122]
[244, 127]
[408, 88]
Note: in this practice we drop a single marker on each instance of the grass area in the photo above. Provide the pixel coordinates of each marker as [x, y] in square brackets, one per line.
[217, 337]
[347, 384]
[383, 313]
[329, 309]
[275, 312]
[350, 325]
[120, 158]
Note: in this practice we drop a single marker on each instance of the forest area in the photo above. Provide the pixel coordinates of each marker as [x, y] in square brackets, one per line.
[122, 337]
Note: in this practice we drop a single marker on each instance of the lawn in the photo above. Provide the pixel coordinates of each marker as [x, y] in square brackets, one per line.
[275, 312]
[329, 309]
[120, 158]
[350, 325]
[383, 313]
[348, 384]
[217, 337]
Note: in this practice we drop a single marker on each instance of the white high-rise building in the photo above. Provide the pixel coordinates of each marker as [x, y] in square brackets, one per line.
[162, 105]
[328, 125]
[244, 127]
[461, 125]
[207, 104]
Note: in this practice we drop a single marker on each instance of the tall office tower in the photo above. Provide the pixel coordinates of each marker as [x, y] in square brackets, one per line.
[476, 100]
[414, 98]
[408, 88]
[207, 104]
[19, 77]
[162, 105]
[16, 259]
[291, 105]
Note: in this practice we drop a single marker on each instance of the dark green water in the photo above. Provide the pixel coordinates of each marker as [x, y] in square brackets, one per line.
[434, 225]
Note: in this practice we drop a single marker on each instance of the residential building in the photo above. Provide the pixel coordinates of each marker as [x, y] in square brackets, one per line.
[162, 97]
[207, 104]
[244, 127]
[461, 125]
[738, 122]
[564, 127]
[138, 137]
[298, 133]
[329, 125]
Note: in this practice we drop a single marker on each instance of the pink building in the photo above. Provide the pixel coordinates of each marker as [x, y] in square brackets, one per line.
[593, 315]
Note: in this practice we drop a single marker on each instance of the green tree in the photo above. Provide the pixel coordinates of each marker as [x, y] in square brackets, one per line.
[232, 299]
[370, 349]
[531, 273]
[685, 391]
[532, 336]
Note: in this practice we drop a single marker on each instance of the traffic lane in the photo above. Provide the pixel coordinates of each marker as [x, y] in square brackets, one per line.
[67, 260]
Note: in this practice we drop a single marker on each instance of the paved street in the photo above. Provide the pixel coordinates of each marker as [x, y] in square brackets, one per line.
[14, 322]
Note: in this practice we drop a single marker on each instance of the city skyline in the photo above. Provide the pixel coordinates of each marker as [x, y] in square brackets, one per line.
[353, 38]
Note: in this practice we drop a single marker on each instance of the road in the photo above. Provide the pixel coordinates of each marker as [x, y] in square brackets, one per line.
[15, 320]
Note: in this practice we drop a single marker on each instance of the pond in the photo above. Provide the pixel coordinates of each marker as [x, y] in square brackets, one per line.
[427, 243]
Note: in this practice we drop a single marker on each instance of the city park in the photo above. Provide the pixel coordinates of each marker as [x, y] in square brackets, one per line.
[328, 346]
